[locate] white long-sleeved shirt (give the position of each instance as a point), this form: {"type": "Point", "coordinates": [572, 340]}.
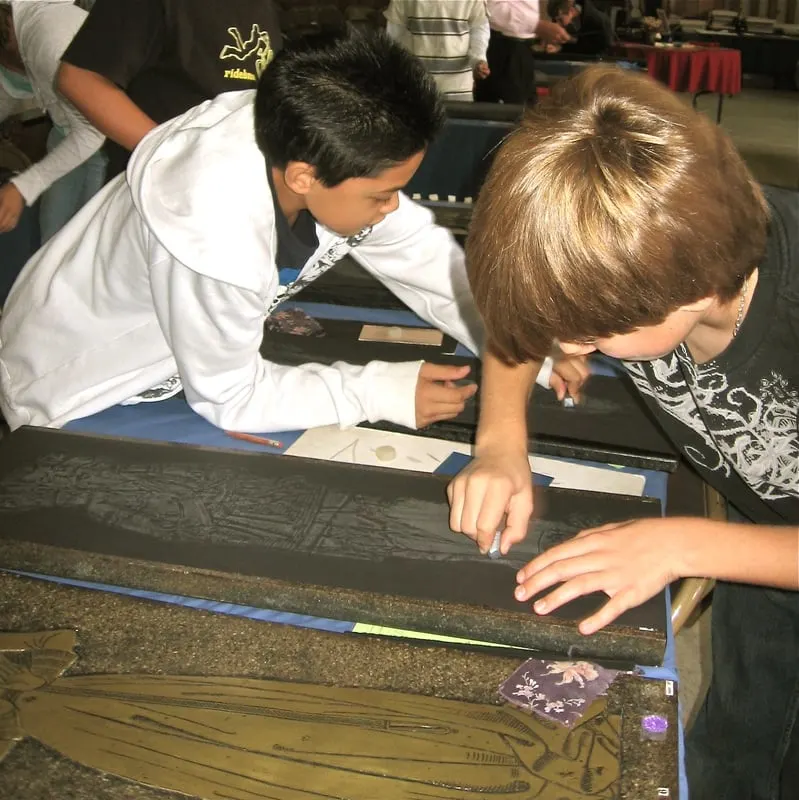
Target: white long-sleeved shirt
{"type": "Point", "coordinates": [515, 18]}
{"type": "Point", "coordinates": [172, 271]}
{"type": "Point", "coordinates": [43, 31]}
{"type": "Point", "coordinates": [448, 36]}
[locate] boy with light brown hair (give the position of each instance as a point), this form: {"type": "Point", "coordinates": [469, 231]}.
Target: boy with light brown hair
{"type": "Point", "coordinates": [616, 219]}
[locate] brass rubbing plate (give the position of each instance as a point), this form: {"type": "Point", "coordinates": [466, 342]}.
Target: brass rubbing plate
{"type": "Point", "coordinates": [133, 706]}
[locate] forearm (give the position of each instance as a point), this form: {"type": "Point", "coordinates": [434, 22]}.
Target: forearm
{"type": "Point", "coordinates": [479, 35]}
{"type": "Point", "coordinates": [504, 395]}
{"type": "Point", "coordinates": [759, 554]}
{"type": "Point", "coordinates": [423, 265]}
{"type": "Point", "coordinates": [214, 331]}
{"type": "Point", "coordinates": [77, 147]}
{"type": "Point", "coordinates": [105, 105]}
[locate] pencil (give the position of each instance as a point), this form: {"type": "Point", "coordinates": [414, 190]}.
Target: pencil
{"type": "Point", "coordinates": [253, 439]}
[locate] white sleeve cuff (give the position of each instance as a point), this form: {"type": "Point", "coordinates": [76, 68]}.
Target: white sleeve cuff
{"type": "Point", "coordinates": [545, 373]}
{"type": "Point", "coordinates": [28, 187]}
{"type": "Point", "coordinates": [392, 392]}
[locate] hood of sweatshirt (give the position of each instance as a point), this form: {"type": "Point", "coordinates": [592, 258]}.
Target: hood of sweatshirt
{"type": "Point", "coordinates": [199, 182]}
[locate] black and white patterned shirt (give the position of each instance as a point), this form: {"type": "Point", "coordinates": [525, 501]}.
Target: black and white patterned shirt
{"type": "Point", "coordinates": [735, 417]}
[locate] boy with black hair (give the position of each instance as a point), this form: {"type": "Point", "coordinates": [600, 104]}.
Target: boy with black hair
{"type": "Point", "coordinates": [164, 280]}
{"type": "Point", "coordinates": [616, 219]}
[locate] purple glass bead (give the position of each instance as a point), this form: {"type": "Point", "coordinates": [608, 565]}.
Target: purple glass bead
{"type": "Point", "coordinates": [654, 724]}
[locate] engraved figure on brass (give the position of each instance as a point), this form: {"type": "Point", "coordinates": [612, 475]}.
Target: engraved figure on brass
{"type": "Point", "coordinates": [245, 739]}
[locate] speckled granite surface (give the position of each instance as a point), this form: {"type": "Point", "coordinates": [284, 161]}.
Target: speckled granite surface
{"type": "Point", "coordinates": [118, 635]}
{"type": "Point", "coordinates": [618, 644]}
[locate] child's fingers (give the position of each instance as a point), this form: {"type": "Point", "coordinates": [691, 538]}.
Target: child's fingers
{"type": "Point", "coordinates": [574, 548]}
{"type": "Point", "coordinates": [608, 526]}
{"type": "Point", "coordinates": [473, 494]}
{"type": "Point", "coordinates": [609, 612]}
{"type": "Point", "coordinates": [439, 393]}
{"type": "Point", "coordinates": [483, 510]}
{"type": "Point", "coordinates": [456, 491]}
{"type": "Point", "coordinates": [584, 583]}
{"type": "Point", "coordinates": [575, 382]}
{"type": "Point", "coordinates": [558, 385]}
{"type": "Point", "coordinates": [443, 372]}
{"type": "Point", "coordinates": [520, 509]}
{"type": "Point", "coordinates": [490, 519]}
{"type": "Point", "coordinates": [562, 571]}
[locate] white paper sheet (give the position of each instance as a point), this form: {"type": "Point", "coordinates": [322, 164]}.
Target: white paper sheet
{"type": "Point", "coordinates": [374, 448]}
{"type": "Point", "coordinates": [422, 454]}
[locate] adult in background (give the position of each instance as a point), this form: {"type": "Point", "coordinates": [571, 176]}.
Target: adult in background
{"type": "Point", "coordinates": [138, 63]}
{"type": "Point", "coordinates": [33, 36]}
{"type": "Point", "coordinates": [590, 28]}
{"type": "Point", "coordinates": [450, 37]}
{"type": "Point", "coordinates": [515, 25]}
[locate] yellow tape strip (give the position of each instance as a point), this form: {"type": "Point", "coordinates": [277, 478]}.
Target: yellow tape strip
{"type": "Point", "coordinates": [378, 630]}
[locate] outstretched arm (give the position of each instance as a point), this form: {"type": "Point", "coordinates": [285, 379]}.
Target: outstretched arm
{"type": "Point", "coordinates": [633, 561]}
{"type": "Point", "coordinates": [479, 35]}
{"type": "Point", "coordinates": [214, 331]}
{"type": "Point", "coordinates": [495, 491]}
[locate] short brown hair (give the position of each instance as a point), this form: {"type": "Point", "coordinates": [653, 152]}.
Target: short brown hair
{"type": "Point", "coordinates": [608, 208]}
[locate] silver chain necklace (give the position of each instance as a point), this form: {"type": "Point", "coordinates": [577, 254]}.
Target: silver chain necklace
{"type": "Point", "coordinates": [740, 318]}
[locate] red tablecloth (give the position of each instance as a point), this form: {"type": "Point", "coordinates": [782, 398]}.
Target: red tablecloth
{"type": "Point", "coordinates": [690, 69]}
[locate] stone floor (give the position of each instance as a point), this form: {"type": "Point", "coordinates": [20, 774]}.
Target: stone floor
{"type": "Point", "coordinates": [764, 124]}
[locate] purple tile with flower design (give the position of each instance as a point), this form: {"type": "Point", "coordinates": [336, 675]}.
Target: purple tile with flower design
{"type": "Point", "coordinates": [561, 691]}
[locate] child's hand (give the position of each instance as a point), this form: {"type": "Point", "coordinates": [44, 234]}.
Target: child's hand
{"type": "Point", "coordinates": [496, 486]}
{"type": "Point", "coordinates": [629, 561]}
{"type": "Point", "coordinates": [437, 396]}
{"type": "Point", "coordinates": [569, 373]}
{"type": "Point", "coordinates": [12, 204]}
{"type": "Point", "coordinates": [481, 70]}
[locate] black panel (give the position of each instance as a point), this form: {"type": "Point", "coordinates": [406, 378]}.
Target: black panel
{"type": "Point", "coordinates": [299, 520]}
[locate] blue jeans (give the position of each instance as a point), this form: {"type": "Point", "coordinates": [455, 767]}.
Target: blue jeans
{"type": "Point", "coordinates": [745, 742]}
{"type": "Point", "coordinates": [16, 247]}
{"type": "Point", "coordinates": [67, 195]}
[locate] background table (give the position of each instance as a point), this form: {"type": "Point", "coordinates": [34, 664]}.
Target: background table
{"type": "Point", "coordinates": [761, 54]}
{"type": "Point", "coordinates": [698, 70]}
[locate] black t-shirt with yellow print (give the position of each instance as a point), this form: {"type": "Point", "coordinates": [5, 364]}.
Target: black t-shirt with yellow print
{"type": "Point", "coordinates": [170, 55]}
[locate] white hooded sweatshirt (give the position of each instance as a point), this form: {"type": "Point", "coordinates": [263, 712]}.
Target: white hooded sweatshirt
{"type": "Point", "coordinates": [172, 272]}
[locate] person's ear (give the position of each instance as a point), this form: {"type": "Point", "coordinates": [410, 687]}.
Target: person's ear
{"type": "Point", "coordinates": [300, 177]}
